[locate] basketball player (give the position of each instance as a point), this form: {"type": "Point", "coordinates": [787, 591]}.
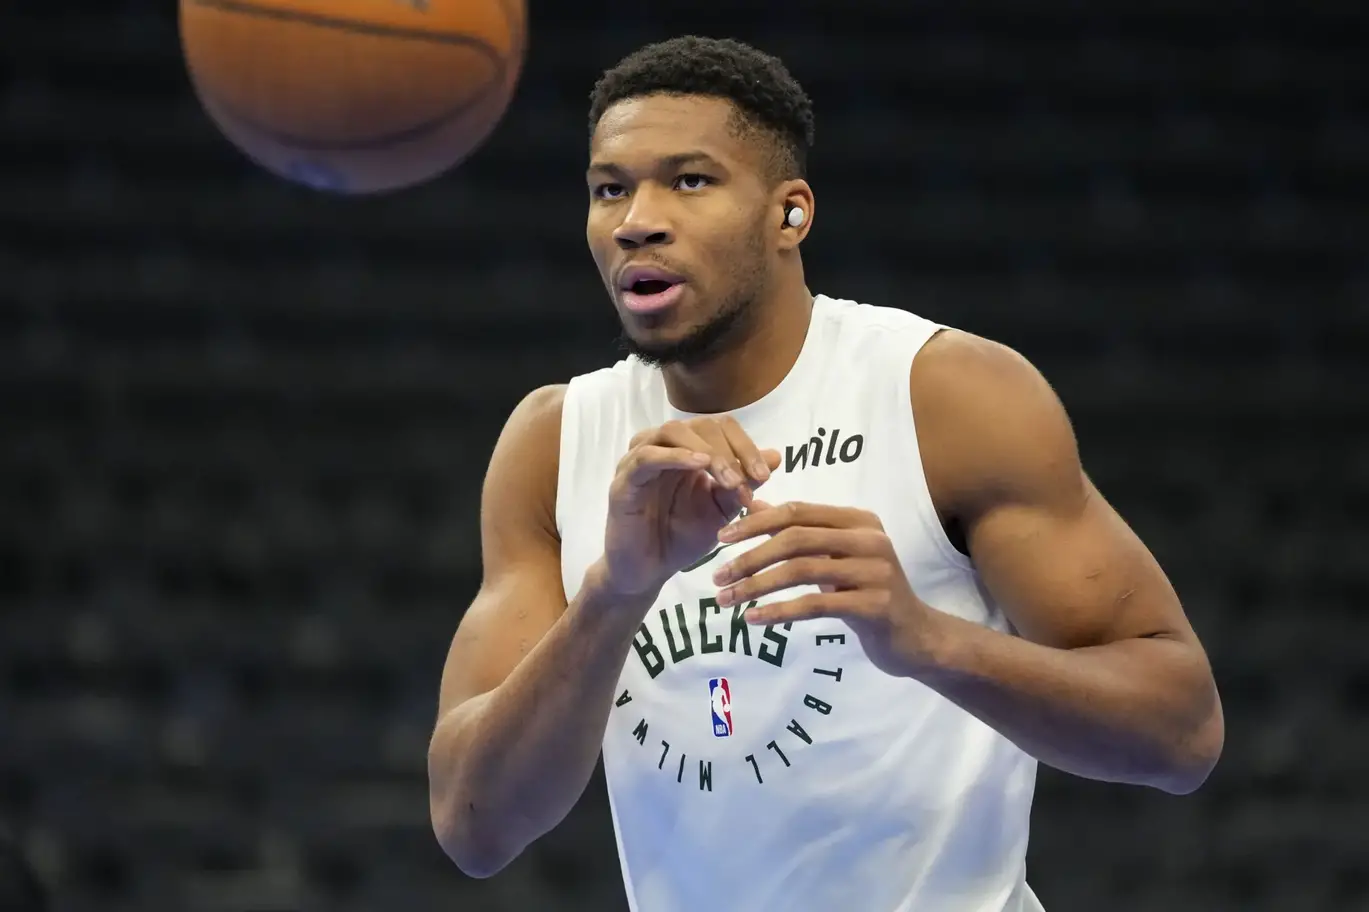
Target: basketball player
{"type": "Point", "coordinates": [925, 597]}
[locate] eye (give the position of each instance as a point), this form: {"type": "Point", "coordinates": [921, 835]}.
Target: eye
{"type": "Point", "coordinates": [692, 181]}
{"type": "Point", "coordinates": [608, 191]}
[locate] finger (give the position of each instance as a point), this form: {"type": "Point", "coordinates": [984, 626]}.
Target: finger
{"type": "Point", "coordinates": [791, 543]}
{"type": "Point", "coordinates": [674, 434]}
{"type": "Point", "coordinates": [697, 438]}
{"type": "Point", "coordinates": [727, 468]}
{"type": "Point", "coordinates": [793, 513]}
{"type": "Point", "coordinates": [772, 458]}
{"type": "Point", "coordinates": [746, 451]}
{"type": "Point", "coordinates": [848, 605]}
{"type": "Point", "coordinates": [841, 573]}
{"type": "Point", "coordinates": [649, 462]}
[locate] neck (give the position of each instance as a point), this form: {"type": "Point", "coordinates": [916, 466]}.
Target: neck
{"type": "Point", "coordinates": [754, 364]}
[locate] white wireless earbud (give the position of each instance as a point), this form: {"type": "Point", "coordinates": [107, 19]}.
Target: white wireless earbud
{"type": "Point", "coordinates": [795, 217]}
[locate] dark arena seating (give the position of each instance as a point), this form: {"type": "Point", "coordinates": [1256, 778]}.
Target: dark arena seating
{"type": "Point", "coordinates": [243, 426]}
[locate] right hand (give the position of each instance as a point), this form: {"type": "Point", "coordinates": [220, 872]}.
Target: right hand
{"type": "Point", "coordinates": [676, 487]}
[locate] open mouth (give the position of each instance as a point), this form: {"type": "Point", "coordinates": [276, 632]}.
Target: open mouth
{"type": "Point", "coordinates": [650, 286]}
{"type": "Point", "coordinates": [648, 290]}
{"type": "Point", "coordinates": [651, 296]}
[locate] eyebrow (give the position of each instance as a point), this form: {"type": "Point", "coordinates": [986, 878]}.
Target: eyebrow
{"type": "Point", "coordinates": [672, 162]}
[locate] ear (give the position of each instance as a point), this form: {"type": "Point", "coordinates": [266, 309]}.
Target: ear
{"type": "Point", "coordinates": [792, 194]}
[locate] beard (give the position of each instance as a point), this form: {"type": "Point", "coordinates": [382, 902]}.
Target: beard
{"type": "Point", "coordinates": [700, 344]}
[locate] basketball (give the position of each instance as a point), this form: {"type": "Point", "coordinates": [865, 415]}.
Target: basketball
{"type": "Point", "coordinates": [355, 96]}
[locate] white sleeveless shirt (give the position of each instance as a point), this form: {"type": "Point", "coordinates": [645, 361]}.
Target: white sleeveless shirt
{"type": "Point", "coordinates": [774, 769]}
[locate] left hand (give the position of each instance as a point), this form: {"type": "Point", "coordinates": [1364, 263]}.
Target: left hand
{"type": "Point", "coordinates": [846, 553]}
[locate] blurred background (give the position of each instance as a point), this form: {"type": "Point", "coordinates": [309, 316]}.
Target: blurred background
{"type": "Point", "coordinates": [243, 426]}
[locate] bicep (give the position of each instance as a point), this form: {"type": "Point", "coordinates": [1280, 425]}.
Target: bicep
{"type": "Point", "coordinates": [1069, 572]}
{"type": "Point", "coordinates": [1003, 462]}
{"type": "Point", "coordinates": [521, 595]}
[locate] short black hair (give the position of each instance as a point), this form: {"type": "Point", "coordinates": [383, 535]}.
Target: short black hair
{"type": "Point", "coordinates": [768, 99]}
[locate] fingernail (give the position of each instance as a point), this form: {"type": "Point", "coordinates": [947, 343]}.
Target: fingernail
{"type": "Point", "coordinates": [730, 477]}
{"type": "Point", "coordinates": [727, 533]}
{"type": "Point", "coordinates": [760, 470]}
{"type": "Point", "coordinates": [724, 598]}
{"type": "Point", "coordinates": [723, 574]}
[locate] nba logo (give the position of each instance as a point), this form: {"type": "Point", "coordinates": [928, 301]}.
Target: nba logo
{"type": "Point", "coordinates": [720, 695]}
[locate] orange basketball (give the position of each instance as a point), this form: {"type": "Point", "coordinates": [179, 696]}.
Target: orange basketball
{"type": "Point", "coordinates": [355, 96]}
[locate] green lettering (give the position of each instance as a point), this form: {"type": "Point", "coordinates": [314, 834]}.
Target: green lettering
{"type": "Point", "coordinates": [775, 657]}
{"type": "Point", "coordinates": [813, 702]}
{"type": "Point", "coordinates": [677, 654]}
{"type": "Point", "coordinates": [646, 650]}
{"type": "Point", "coordinates": [705, 644]}
{"type": "Point", "coordinates": [740, 628]}
{"type": "Point", "coordinates": [751, 759]}
{"type": "Point", "coordinates": [776, 748]}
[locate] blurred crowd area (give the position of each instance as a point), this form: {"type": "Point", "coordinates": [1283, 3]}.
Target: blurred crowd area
{"type": "Point", "coordinates": [244, 426]}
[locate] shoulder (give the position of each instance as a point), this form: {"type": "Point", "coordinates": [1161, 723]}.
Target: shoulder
{"type": "Point", "coordinates": [538, 415]}
{"type": "Point", "coordinates": [990, 426]}
{"type": "Point", "coordinates": [530, 443]}
{"type": "Point", "coordinates": [955, 367]}
{"type": "Point", "coordinates": [523, 469]}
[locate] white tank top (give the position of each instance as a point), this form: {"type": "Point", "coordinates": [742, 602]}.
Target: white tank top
{"type": "Point", "coordinates": [760, 769]}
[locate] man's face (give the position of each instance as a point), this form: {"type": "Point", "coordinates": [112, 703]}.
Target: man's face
{"type": "Point", "coordinates": [677, 223]}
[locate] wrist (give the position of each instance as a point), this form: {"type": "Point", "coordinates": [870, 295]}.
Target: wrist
{"type": "Point", "coordinates": [600, 588]}
{"type": "Point", "coordinates": [942, 645]}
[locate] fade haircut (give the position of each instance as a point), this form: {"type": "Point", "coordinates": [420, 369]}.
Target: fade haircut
{"type": "Point", "coordinates": [771, 106]}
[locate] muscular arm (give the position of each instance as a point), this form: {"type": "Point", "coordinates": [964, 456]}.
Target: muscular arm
{"type": "Point", "coordinates": [1108, 679]}
{"type": "Point", "coordinates": [529, 680]}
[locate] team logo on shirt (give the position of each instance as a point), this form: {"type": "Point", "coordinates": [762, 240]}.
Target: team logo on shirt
{"type": "Point", "coordinates": [766, 759]}
{"type": "Point", "coordinates": [720, 695]}
{"type": "Point", "coordinates": [679, 630]}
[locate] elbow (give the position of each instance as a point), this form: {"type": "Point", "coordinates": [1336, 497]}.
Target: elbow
{"type": "Point", "coordinates": [1196, 756]}
{"type": "Point", "coordinates": [477, 857]}
{"type": "Point", "coordinates": [471, 847]}
{"type": "Point", "coordinates": [477, 850]}
{"type": "Point", "coordinates": [475, 861]}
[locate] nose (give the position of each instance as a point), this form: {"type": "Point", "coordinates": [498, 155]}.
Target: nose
{"type": "Point", "coordinates": [645, 225]}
